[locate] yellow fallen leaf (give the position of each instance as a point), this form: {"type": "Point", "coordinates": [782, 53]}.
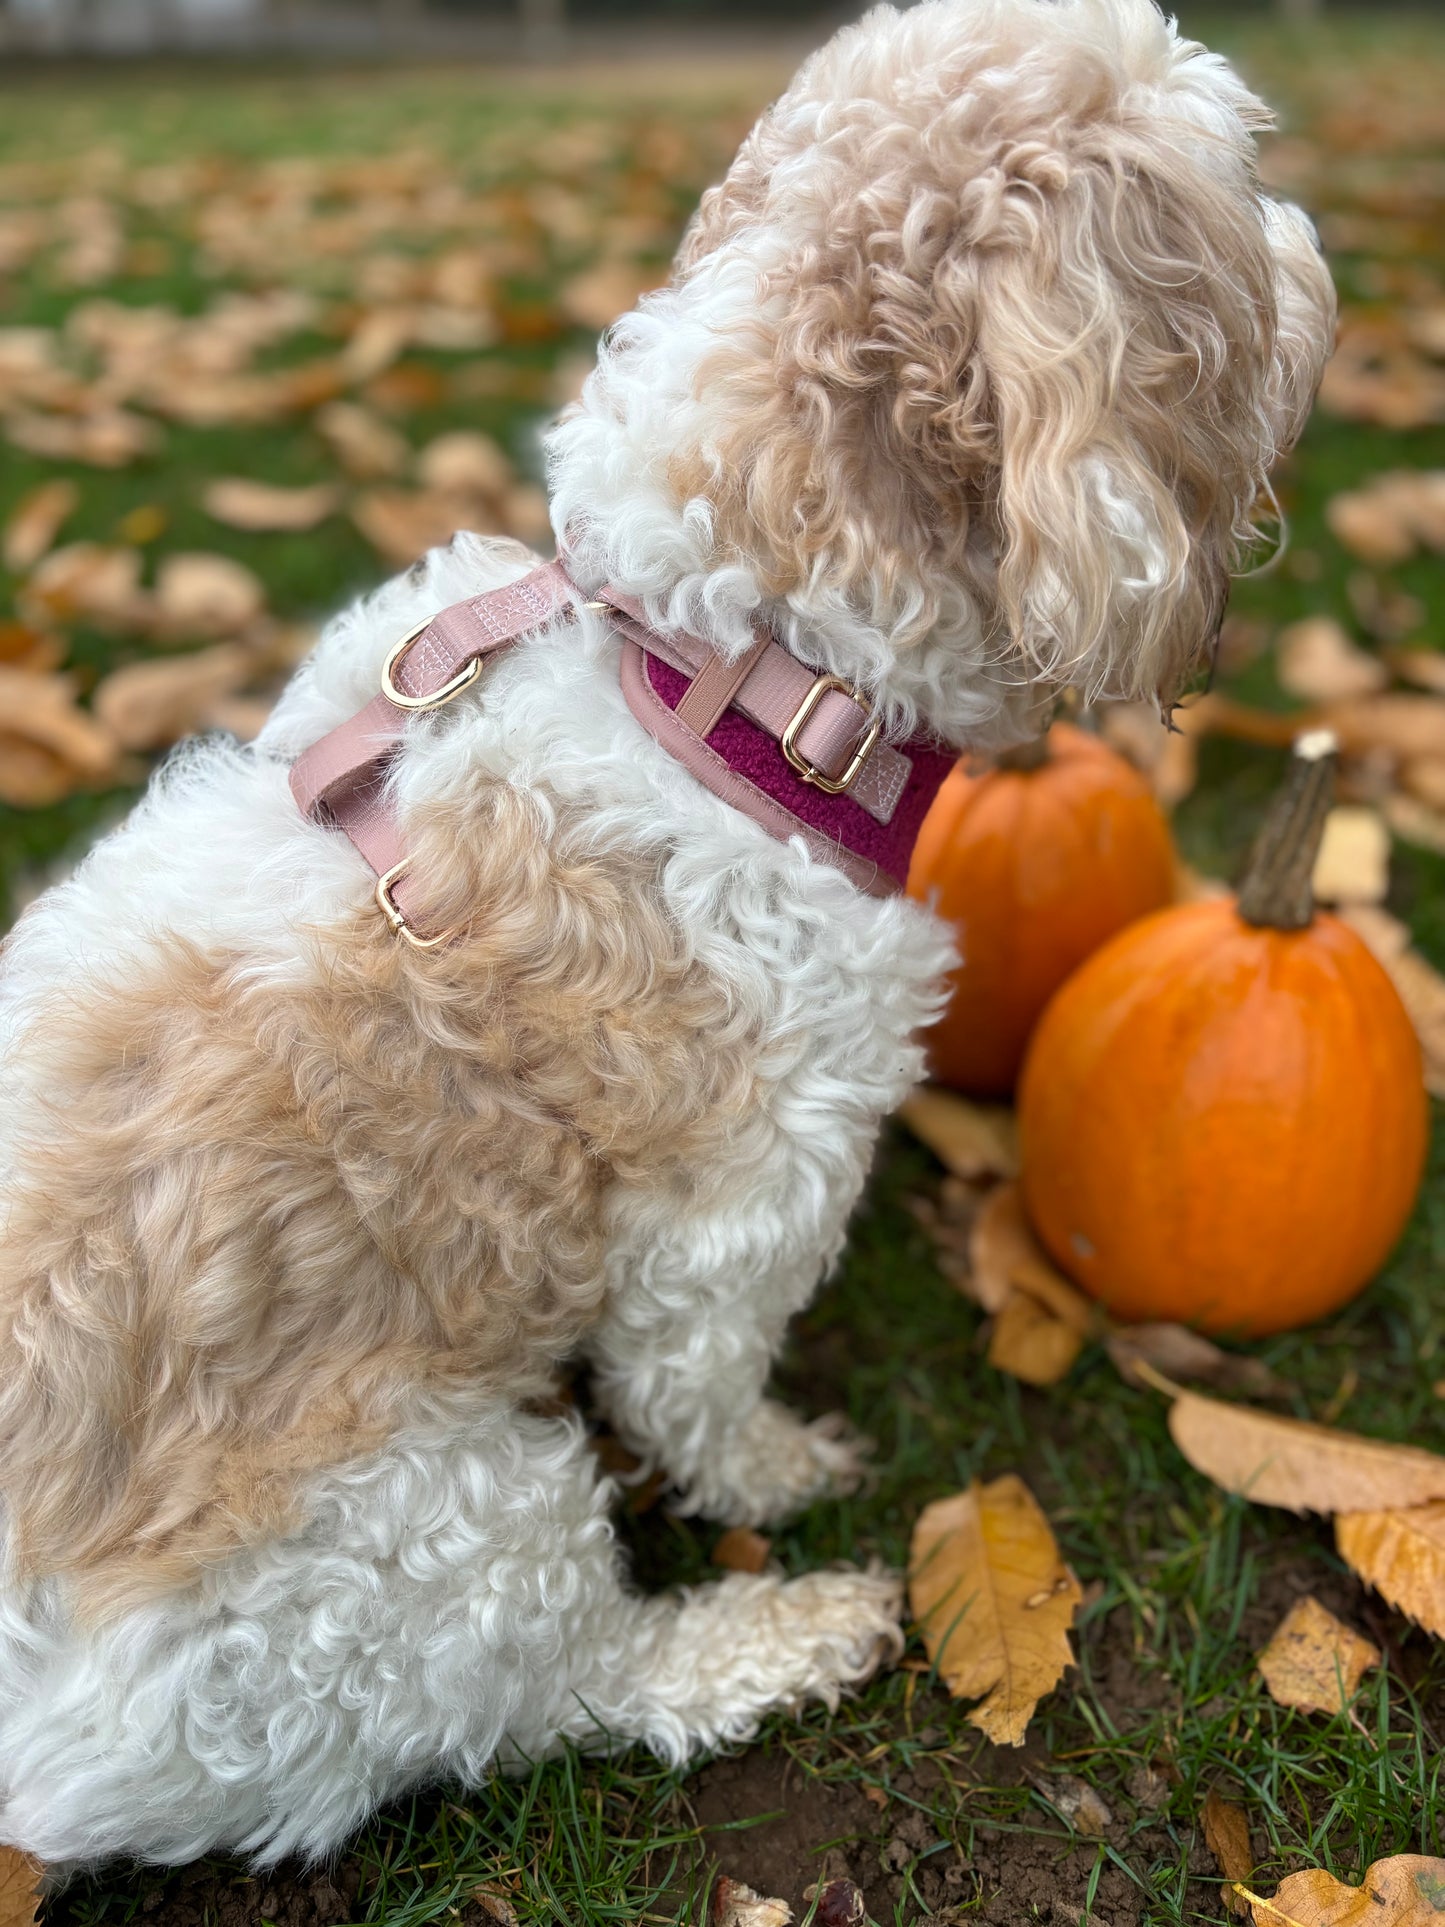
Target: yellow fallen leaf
{"type": "Point", "coordinates": [1006, 1258]}
{"type": "Point", "coordinates": [1304, 1468]}
{"type": "Point", "coordinates": [1423, 780]}
{"type": "Point", "coordinates": [1317, 661]}
{"type": "Point", "coordinates": [1314, 1662]}
{"type": "Point", "coordinates": [1423, 667]}
{"type": "Point", "coordinates": [973, 1140]}
{"type": "Point", "coordinates": [1370, 524]}
{"type": "Point", "coordinates": [1401, 1553]}
{"type": "Point", "coordinates": [34, 524]}
{"type": "Point", "coordinates": [148, 705]}
{"type": "Point", "coordinates": [994, 1602]}
{"type": "Point", "coordinates": [1416, 822]}
{"type": "Point", "coordinates": [20, 1876]}
{"type": "Point", "coordinates": [1353, 864]}
{"type": "Point", "coordinates": [1226, 1832]}
{"type": "Point", "coordinates": [243, 504]}
{"type": "Point", "coordinates": [1405, 726]}
{"type": "Point", "coordinates": [595, 298]}
{"type": "Point", "coordinates": [1407, 1890]}
{"type": "Point", "coordinates": [110, 438]}
{"type": "Point", "coordinates": [1029, 1342]}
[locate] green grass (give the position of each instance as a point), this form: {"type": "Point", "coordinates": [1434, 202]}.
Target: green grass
{"type": "Point", "coordinates": [1183, 1584]}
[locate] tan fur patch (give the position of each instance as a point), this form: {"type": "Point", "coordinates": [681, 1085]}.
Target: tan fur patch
{"type": "Point", "coordinates": [256, 1224]}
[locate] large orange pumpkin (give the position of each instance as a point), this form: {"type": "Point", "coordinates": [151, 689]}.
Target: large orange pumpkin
{"type": "Point", "coordinates": [1035, 863]}
{"type": "Point", "coordinates": [1222, 1113]}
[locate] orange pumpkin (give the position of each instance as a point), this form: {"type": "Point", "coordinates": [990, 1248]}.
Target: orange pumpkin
{"type": "Point", "coordinates": [1222, 1113]}
{"type": "Point", "coordinates": [1036, 863]}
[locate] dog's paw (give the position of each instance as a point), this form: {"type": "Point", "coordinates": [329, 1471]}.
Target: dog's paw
{"type": "Point", "coordinates": [850, 1620]}
{"type": "Point", "coordinates": [775, 1464]}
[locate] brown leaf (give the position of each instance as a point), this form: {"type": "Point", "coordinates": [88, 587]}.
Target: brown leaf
{"type": "Point", "coordinates": [596, 297]}
{"type": "Point", "coordinates": [736, 1905]}
{"type": "Point", "coordinates": [20, 1877]}
{"type": "Point", "coordinates": [1353, 864]}
{"type": "Point", "coordinates": [1304, 1468]}
{"type": "Point", "coordinates": [1423, 779]}
{"type": "Point", "coordinates": [1006, 1257]}
{"type": "Point", "coordinates": [148, 705]}
{"type": "Point", "coordinates": [402, 524]}
{"type": "Point", "coordinates": [1226, 1831]}
{"type": "Point", "coordinates": [1416, 822]}
{"type": "Point", "coordinates": [1423, 667]}
{"type": "Point", "coordinates": [495, 1906]}
{"type": "Point", "coordinates": [243, 504]}
{"type": "Point", "coordinates": [1314, 1662]}
{"type": "Point", "coordinates": [740, 1549]}
{"type": "Point", "coordinates": [91, 583]}
{"type": "Point", "coordinates": [48, 746]}
{"type": "Point", "coordinates": [994, 1602]}
{"type": "Point", "coordinates": [1401, 1553]}
{"type": "Point", "coordinates": [1179, 1353]}
{"type": "Point", "coordinates": [35, 522]}
{"type": "Point", "coordinates": [1318, 662]}
{"type": "Point", "coordinates": [201, 595]}
{"type": "Point", "coordinates": [110, 439]}
{"type": "Point", "coordinates": [1081, 1805]}
{"type": "Point", "coordinates": [1407, 1890]}
{"type": "Point", "coordinates": [973, 1140]}
{"type": "Point", "coordinates": [1029, 1342]}
{"type": "Point", "coordinates": [366, 447]}
{"type": "Point", "coordinates": [1421, 987]}
{"type": "Point", "coordinates": [465, 463]}
{"type": "Point", "coordinates": [1406, 726]}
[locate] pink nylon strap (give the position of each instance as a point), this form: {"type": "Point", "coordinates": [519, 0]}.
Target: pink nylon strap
{"type": "Point", "coordinates": [342, 779]}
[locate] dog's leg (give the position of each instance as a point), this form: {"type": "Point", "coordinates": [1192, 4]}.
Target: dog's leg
{"type": "Point", "coordinates": [691, 1671]}
{"type": "Point", "coordinates": [682, 1357]}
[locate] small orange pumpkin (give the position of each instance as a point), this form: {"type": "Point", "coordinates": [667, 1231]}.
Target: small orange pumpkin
{"type": "Point", "coordinates": [1036, 863]}
{"type": "Point", "coordinates": [1222, 1113]}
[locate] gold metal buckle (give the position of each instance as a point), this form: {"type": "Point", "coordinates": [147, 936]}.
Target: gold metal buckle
{"type": "Point", "coordinates": [830, 785]}
{"type": "Point", "coordinates": [468, 673]}
{"type": "Point", "coordinates": [396, 917]}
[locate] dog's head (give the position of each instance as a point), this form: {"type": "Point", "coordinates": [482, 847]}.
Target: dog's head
{"type": "Point", "coordinates": [972, 370]}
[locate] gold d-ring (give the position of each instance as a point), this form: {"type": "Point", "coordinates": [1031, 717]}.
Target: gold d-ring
{"type": "Point", "coordinates": [396, 916]}
{"type": "Point", "coordinates": [468, 673]}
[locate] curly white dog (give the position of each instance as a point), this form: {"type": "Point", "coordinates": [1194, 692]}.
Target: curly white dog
{"type": "Point", "coordinates": [965, 389]}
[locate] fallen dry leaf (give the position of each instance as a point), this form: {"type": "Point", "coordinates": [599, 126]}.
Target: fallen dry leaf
{"type": "Point", "coordinates": [495, 1907]}
{"type": "Point", "coordinates": [402, 524]}
{"type": "Point", "coordinates": [1421, 987]}
{"type": "Point", "coordinates": [243, 504]}
{"type": "Point", "coordinates": [1081, 1805]}
{"type": "Point", "coordinates": [465, 463]}
{"type": "Point", "coordinates": [1401, 1553]}
{"type": "Point", "coordinates": [1392, 516]}
{"type": "Point", "coordinates": [736, 1905]}
{"type": "Point", "coordinates": [19, 1887]}
{"type": "Point", "coordinates": [1423, 667]}
{"type": "Point", "coordinates": [1406, 726]}
{"type": "Point", "coordinates": [973, 1140]}
{"type": "Point", "coordinates": [366, 447]}
{"type": "Point", "coordinates": [35, 522]}
{"type": "Point", "coordinates": [1005, 1256]}
{"type": "Point", "coordinates": [1317, 661]}
{"type": "Point", "coordinates": [1304, 1468]}
{"type": "Point", "coordinates": [1031, 1343]}
{"type": "Point", "coordinates": [596, 297]}
{"type": "Point", "coordinates": [1407, 1890]}
{"type": "Point", "coordinates": [48, 746]}
{"type": "Point", "coordinates": [87, 582]}
{"type": "Point", "coordinates": [1416, 822]}
{"type": "Point", "coordinates": [149, 705]}
{"type": "Point", "coordinates": [1353, 864]}
{"type": "Point", "coordinates": [740, 1549]}
{"type": "Point", "coordinates": [1423, 779]}
{"type": "Point", "coordinates": [113, 438]}
{"type": "Point", "coordinates": [994, 1602]}
{"type": "Point", "coordinates": [1226, 1832]}
{"type": "Point", "coordinates": [199, 596]}
{"type": "Point", "coordinates": [1314, 1662]}
{"type": "Point", "coordinates": [1179, 1353]}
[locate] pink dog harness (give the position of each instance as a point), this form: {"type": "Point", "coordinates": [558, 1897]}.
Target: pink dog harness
{"type": "Point", "coordinates": [798, 751]}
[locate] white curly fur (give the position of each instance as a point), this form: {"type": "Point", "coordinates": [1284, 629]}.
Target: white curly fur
{"type": "Point", "coordinates": [455, 1599]}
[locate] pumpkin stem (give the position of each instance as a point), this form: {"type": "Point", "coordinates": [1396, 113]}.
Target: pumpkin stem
{"type": "Point", "coordinates": [1276, 891]}
{"type": "Point", "coordinates": [1025, 756]}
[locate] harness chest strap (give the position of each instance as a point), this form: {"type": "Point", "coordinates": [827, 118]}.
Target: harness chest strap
{"type": "Point", "coordinates": [823, 728]}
